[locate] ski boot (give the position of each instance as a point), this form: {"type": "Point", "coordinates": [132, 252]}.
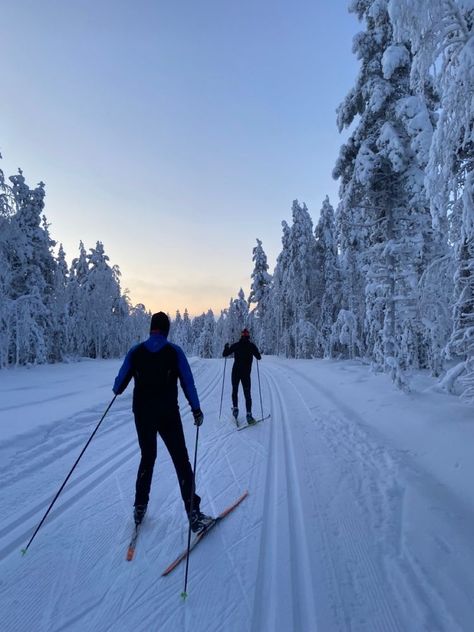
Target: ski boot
{"type": "Point", "coordinates": [199, 521]}
{"type": "Point", "coordinates": [235, 412]}
{"type": "Point", "coordinates": [250, 419]}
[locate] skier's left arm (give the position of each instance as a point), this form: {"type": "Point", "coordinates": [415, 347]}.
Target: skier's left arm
{"type": "Point", "coordinates": [186, 380]}
{"type": "Point", "coordinates": [256, 352]}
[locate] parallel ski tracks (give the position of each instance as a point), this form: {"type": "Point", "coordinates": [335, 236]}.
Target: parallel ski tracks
{"type": "Point", "coordinates": [379, 478]}
{"type": "Point", "coordinates": [357, 552]}
{"type": "Point", "coordinates": [289, 605]}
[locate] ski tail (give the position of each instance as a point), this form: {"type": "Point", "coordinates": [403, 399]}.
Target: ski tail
{"type": "Point", "coordinates": [133, 543]}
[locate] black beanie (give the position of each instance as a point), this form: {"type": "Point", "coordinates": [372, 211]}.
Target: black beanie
{"type": "Point", "coordinates": [160, 322]}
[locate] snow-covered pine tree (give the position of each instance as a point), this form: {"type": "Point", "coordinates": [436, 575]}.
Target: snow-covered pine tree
{"type": "Point", "coordinates": [260, 296]}
{"type": "Point", "coordinates": [219, 333]}
{"type": "Point", "coordinates": [299, 282]}
{"type": "Point", "coordinates": [77, 301]}
{"type": "Point", "coordinates": [279, 320]}
{"type": "Point", "coordinates": [237, 317]}
{"type": "Point", "coordinates": [138, 325]}
{"type": "Point", "coordinates": [382, 207]}
{"type": "Point", "coordinates": [60, 308]}
{"type": "Point", "coordinates": [327, 276]}
{"type": "Point", "coordinates": [32, 267]}
{"type": "Point", "coordinates": [187, 333]}
{"type": "Point", "coordinates": [102, 289]}
{"type": "Point", "coordinates": [441, 34]}
{"type": "Point", "coordinates": [197, 325]}
{"type": "Point", "coordinates": [206, 344]}
{"type": "Point", "coordinates": [7, 238]}
{"type": "Point", "coordinates": [176, 329]}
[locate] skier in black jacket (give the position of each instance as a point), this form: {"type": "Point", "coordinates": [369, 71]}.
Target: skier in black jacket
{"type": "Point", "coordinates": [244, 352]}
{"type": "Point", "coordinates": [156, 365]}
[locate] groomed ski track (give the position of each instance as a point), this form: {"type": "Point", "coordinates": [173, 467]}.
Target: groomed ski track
{"type": "Point", "coordinates": [342, 531]}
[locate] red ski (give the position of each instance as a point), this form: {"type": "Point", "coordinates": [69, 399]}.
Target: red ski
{"type": "Point", "coordinates": [201, 534]}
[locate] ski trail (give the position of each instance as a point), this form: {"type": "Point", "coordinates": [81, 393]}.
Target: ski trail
{"type": "Point", "coordinates": [374, 532]}
{"type": "Point", "coordinates": [284, 591]}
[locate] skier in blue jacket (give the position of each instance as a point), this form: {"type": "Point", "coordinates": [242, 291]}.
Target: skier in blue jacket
{"type": "Point", "coordinates": [156, 365]}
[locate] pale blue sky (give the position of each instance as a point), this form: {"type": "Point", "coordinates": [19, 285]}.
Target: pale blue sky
{"type": "Point", "coordinates": [175, 132]}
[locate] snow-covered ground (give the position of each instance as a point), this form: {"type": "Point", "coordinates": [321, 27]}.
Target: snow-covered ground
{"type": "Point", "coordinates": [360, 514]}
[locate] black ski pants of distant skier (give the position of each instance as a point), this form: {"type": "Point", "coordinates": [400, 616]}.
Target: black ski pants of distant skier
{"type": "Point", "coordinates": [170, 428]}
{"type": "Point", "coordinates": [244, 377]}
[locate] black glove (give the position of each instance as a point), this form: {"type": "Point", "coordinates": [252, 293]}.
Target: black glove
{"type": "Point", "coordinates": [198, 417]}
{"type": "Point", "coordinates": [226, 346]}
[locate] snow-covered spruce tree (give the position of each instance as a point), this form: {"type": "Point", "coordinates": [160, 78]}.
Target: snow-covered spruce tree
{"type": "Point", "coordinates": [279, 311]}
{"type": "Point", "coordinates": [237, 317]}
{"type": "Point", "coordinates": [139, 318]}
{"type": "Point", "coordinates": [219, 333]}
{"type": "Point", "coordinates": [383, 208]}
{"type": "Point", "coordinates": [176, 329]}
{"type": "Point", "coordinates": [292, 312]}
{"type": "Point", "coordinates": [7, 239]}
{"type": "Point", "coordinates": [300, 283]}
{"type": "Point", "coordinates": [77, 302]}
{"type": "Point", "coordinates": [60, 307]}
{"type": "Point", "coordinates": [327, 279]}
{"type": "Point", "coordinates": [102, 289]}
{"type": "Point", "coordinates": [197, 325]}
{"type": "Point", "coordinates": [32, 268]}
{"type": "Point", "coordinates": [441, 33]}
{"type": "Point", "coordinates": [260, 296]}
{"type": "Point", "coordinates": [205, 346]}
{"type": "Point", "coordinates": [187, 333]}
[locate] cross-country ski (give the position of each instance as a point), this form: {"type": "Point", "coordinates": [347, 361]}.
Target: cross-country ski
{"type": "Point", "coordinates": [204, 532]}
{"type": "Point", "coordinates": [257, 421]}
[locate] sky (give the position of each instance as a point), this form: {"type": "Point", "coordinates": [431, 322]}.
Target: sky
{"type": "Point", "coordinates": [175, 132]}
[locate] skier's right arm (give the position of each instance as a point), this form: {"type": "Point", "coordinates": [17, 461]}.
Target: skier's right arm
{"type": "Point", "coordinates": [125, 374]}
{"type": "Point", "coordinates": [228, 350]}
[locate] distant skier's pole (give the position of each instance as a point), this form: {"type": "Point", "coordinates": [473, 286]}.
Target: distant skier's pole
{"type": "Point", "coordinates": [184, 594]}
{"type": "Point", "coordinates": [67, 477]}
{"type": "Point", "coordinates": [222, 392]}
{"type": "Point", "coordinates": [259, 389]}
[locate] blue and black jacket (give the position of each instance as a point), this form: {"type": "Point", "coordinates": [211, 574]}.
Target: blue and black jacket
{"type": "Point", "coordinates": [156, 365]}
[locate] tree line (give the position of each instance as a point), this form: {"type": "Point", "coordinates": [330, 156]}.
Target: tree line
{"type": "Point", "coordinates": [386, 276]}
{"type": "Point", "coordinates": [50, 312]}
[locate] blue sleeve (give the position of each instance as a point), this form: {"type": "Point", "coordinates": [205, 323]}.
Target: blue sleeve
{"type": "Point", "coordinates": [125, 374]}
{"type": "Point", "coordinates": [186, 379]}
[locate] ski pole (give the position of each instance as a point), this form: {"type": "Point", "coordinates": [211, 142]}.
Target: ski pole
{"type": "Point", "coordinates": [222, 392]}
{"type": "Point", "coordinates": [259, 388]}
{"type": "Point", "coordinates": [67, 477]}
{"type": "Point", "coordinates": [184, 594]}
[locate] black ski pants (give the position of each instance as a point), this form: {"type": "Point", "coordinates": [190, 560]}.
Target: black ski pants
{"type": "Point", "coordinates": [244, 377]}
{"type": "Point", "coordinates": [170, 428]}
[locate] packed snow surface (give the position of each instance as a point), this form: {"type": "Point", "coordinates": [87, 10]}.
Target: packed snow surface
{"type": "Point", "coordinates": [360, 514]}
